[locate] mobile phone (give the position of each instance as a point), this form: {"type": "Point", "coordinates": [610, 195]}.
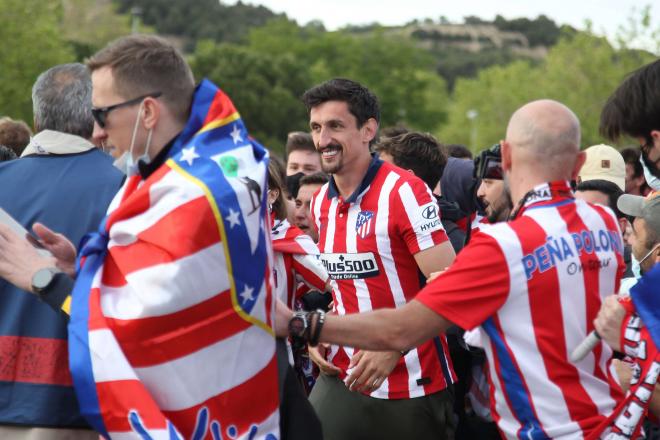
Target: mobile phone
{"type": "Point", "coordinates": [15, 226]}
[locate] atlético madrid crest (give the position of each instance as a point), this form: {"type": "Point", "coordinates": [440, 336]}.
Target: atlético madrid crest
{"type": "Point", "coordinates": [364, 224]}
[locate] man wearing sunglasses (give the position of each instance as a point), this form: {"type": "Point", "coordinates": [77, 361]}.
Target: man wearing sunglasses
{"type": "Point", "coordinates": [634, 110]}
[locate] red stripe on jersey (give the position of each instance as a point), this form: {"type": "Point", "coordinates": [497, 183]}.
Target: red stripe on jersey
{"type": "Point", "coordinates": [154, 245]}
{"type": "Point", "coordinates": [34, 360]}
{"type": "Point", "coordinates": [547, 313]}
{"type": "Point", "coordinates": [242, 399]}
{"type": "Point", "coordinates": [117, 395]}
{"type": "Point", "coordinates": [154, 340]}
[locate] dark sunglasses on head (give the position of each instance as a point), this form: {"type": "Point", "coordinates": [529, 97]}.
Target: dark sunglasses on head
{"type": "Point", "coordinates": [100, 114]}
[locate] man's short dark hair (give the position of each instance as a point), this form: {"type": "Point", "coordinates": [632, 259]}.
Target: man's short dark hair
{"type": "Point", "coordinates": [631, 157]}
{"type": "Point", "coordinates": [606, 187]}
{"type": "Point", "coordinates": [299, 141]}
{"type": "Point", "coordinates": [458, 151]}
{"type": "Point", "coordinates": [14, 135]}
{"type": "Point", "coordinates": [419, 152]}
{"type": "Point", "coordinates": [143, 64]}
{"type": "Point", "coordinates": [393, 131]}
{"type": "Point", "coordinates": [361, 102]}
{"type": "Point", "coordinates": [319, 178]}
{"type": "Point", "coordinates": [634, 107]}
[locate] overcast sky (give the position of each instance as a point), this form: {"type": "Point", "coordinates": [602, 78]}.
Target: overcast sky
{"type": "Point", "coordinates": [606, 15]}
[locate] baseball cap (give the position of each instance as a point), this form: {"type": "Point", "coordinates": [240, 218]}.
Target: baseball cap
{"type": "Point", "coordinates": [606, 163]}
{"type": "Point", "coordinates": [647, 208]}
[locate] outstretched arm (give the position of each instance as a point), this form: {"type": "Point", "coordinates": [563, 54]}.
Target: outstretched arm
{"type": "Point", "coordinates": [385, 329]}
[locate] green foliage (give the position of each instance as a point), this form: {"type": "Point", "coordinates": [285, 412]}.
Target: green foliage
{"type": "Point", "coordinates": [88, 25]}
{"type": "Point", "coordinates": [264, 88]}
{"type": "Point", "coordinates": [32, 43]}
{"type": "Point", "coordinates": [201, 19]}
{"type": "Point", "coordinates": [541, 31]}
{"type": "Point", "coordinates": [400, 73]}
{"type": "Point", "coordinates": [581, 71]}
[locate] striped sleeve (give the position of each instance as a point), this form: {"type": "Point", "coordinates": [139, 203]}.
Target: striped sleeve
{"type": "Point", "coordinates": [420, 227]}
{"type": "Point", "coordinates": [473, 288]}
{"type": "Point", "coordinates": [310, 271]}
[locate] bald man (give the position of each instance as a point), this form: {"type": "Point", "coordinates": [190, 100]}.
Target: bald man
{"type": "Point", "coordinates": [534, 286]}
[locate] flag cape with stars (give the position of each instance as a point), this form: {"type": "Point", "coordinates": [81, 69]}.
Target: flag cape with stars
{"type": "Point", "coordinates": [171, 334]}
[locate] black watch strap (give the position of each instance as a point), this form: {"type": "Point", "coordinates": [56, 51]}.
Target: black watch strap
{"type": "Point", "coordinates": [57, 291]}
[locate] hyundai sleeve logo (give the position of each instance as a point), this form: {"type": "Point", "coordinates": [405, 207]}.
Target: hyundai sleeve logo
{"type": "Point", "coordinates": [430, 212]}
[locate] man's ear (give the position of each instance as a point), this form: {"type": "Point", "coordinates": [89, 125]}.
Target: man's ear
{"type": "Point", "coordinates": [369, 130]}
{"type": "Point", "coordinates": [655, 136]}
{"type": "Point", "coordinates": [581, 158]}
{"type": "Point", "coordinates": [151, 112]}
{"type": "Point", "coordinates": [623, 224]}
{"type": "Point", "coordinates": [505, 151]}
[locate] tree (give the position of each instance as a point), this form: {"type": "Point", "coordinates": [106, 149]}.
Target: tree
{"type": "Point", "coordinates": [32, 43]}
{"type": "Point", "coordinates": [201, 19]}
{"type": "Point", "coordinates": [265, 89]}
{"type": "Point", "coordinates": [398, 72]}
{"type": "Point", "coordinates": [581, 71]}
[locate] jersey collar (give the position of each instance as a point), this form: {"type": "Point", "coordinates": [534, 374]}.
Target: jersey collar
{"type": "Point", "coordinates": [545, 194]}
{"type": "Point", "coordinates": [374, 166]}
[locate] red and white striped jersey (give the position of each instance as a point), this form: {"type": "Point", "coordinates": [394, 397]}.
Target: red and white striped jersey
{"type": "Point", "coordinates": [367, 244]}
{"type": "Point", "coordinates": [295, 261]}
{"type": "Point", "coordinates": [535, 285]}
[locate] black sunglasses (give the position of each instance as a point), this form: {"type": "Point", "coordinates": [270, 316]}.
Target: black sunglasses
{"type": "Point", "coordinates": [100, 114]}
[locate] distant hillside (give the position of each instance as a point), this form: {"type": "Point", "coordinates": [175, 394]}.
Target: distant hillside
{"type": "Point", "coordinates": [461, 50]}
{"type": "Point", "coordinates": [198, 19]}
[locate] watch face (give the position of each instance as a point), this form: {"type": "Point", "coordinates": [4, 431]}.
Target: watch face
{"type": "Point", "coordinates": [42, 279]}
{"type": "Point", "coordinates": [297, 326]}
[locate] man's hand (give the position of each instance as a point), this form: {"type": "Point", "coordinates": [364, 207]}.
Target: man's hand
{"type": "Point", "coordinates": [58, 245]}
{"type": "Point", "coordinates": [19, 260]}
{"type": "Point", "coordinates": [370, 369]}
{"type": "Point", "coordinates": [608, 321]}
{"type": "Point", "coordinates": [317, 355]}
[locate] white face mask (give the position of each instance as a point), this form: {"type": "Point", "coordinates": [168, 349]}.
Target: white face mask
{"type": "Point", "coordinates": [651, 180]}
{"type": "Point", "coordinates": [121, 163]}
{"type": "Point", "coordinates": [126, 163]}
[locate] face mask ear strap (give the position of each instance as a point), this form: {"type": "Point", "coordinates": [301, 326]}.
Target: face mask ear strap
{"type": "Point", "coordinates": [135, 127]}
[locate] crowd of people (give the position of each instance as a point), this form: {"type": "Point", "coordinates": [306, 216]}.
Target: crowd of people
{"type": "Point", "coordinates": [163, 275]}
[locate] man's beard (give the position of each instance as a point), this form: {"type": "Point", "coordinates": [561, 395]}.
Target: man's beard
{"type": "Point", "coordinates": [500, 209]}
{"type": "Point", "coordinates": [335, 167]}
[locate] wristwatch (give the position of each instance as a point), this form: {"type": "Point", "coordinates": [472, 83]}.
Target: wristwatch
{"type": "Point", "coordinates": [299, 325]}
{"type": "Point", "coordinates": [43, 278]}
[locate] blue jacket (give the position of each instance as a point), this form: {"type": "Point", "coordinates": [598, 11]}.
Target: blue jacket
{"type": "Point", "coordinates": [70, 194]}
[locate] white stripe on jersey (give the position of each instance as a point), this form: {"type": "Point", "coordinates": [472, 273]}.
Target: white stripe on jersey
{"type": "Point", "coordinates": [315, 206]}
{"type": "Point", "coordinates": [383, 241]}
{"type": "Point", "coordinates": [606, 283]}
{"type": "Point", "coordinates": [361, 289]}
{"type": "Point", "coordinates": [515, 318]}
{"type": "Point", "coordinates": [385, 252]}
{"type": "Point", "coordinates": [413, 211]}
